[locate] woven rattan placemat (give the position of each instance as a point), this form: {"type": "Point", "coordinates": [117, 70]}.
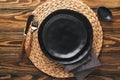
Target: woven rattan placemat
{"type": "Point", "coordinates": [41, 12]}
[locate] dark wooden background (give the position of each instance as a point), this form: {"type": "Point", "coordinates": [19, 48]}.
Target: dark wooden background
{"type": "Point", "coordinates": [13, 15]}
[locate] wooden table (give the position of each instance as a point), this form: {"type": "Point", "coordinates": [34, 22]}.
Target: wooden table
{"type": "Point", "coordinates": [13, 15]}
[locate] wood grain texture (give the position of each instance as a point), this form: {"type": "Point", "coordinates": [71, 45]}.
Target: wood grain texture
{"type": "Point", "coordinates": [13, 15]}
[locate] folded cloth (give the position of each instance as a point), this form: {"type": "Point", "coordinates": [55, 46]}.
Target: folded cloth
{"type": "Point", "coordinates": [82, 70]}
{"type": "Point", "coordinates": [73, 66]}
{"type": "Point", "coordinates": [82, 74]}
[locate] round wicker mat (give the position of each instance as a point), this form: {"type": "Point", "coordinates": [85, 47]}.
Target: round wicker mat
{"type": "Point", "coordinates": [41, 12]}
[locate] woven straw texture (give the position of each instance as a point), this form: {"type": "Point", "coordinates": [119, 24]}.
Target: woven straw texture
{"type": "Point", "coordinates": [41, 12]}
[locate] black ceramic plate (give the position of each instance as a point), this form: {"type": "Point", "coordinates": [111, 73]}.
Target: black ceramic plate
{"type": "Point", "coordinates": [65, 36]}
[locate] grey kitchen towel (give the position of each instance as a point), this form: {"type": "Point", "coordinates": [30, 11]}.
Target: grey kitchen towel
{"type": "Point", "coordinates": [73, 66]}
{"type": "Point", "coordinates": [81, 71]}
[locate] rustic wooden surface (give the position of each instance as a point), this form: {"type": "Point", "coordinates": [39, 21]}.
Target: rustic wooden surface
{"type": "Point", "coordinates": [13, 14]}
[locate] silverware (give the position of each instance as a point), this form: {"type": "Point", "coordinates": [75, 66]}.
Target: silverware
{"type": "Point", "coordinates": [34, 26]}
{"type": "Point", "coordinates": [29, 20]}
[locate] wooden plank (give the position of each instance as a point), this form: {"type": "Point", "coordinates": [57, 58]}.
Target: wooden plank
{"type": "Point", "coordinates": [15, 4]}
{"type": "Point", "coordinates": [13, 15]}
